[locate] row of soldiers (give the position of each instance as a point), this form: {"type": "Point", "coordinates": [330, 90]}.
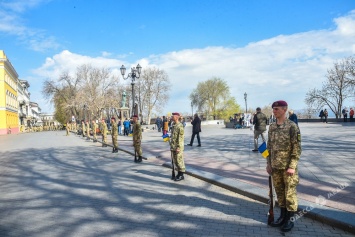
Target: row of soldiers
{"type": "Point", "coordinates": [41, 128]}
{"type": "Point", "coordinates": [85, 131]}
{"type": "Point", "coordinates": [176, 139]}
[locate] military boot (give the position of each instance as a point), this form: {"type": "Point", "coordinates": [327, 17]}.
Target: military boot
{"type": "Point", "coordinates": [116, 150]}
{"type": "Point", "coordinates": [279, 222]}
{"type": "Point", "coordinates": [289, 221]}
{"type": "Point", "coordinates": [180, 176]}
{"type": "Point", "coordinates": [113, 150]}
{"type": "Point", "coordinates": [140, 159]}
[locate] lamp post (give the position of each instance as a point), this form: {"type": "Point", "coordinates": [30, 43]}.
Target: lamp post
{"type": "Point", "coordinates": [192, 109]}
{"type": "Point", "coordinates": [134, 74]}
{"type": "Point", "coordinates": [246, 105]}
{"type": "Point", "coordinates": [84, 113]}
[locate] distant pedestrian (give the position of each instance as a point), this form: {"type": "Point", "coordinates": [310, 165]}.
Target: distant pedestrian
{"type": "Point", "coordinates": [126, 125]}
{"type": "Point", "coordinates": [351, 113]}
{"type": "Point", "coordinates": [114, 134]}
{"type": "Point", "coordinates": [159, 123]}
{"type": "Point", "coordinates": [137, 138]}
{"type": "Point", "coordinates": [119, 124]}
{"type": "Point", "coordinates": [284, 146]}
{"type": "Point", "coordinates": [259, 122]}
{"type": "Point", "coordinates": [196, 129]}
{"type": "Point", "coordinates": [345, 114]}
{"type": "Point", "coordinates": [293, 116]}
{"type": "Point", "coordinates": [165, 125]}
{"type": "Point", "coordinates": [177, 146]}
{"type": "Point", "coordinates": [321, 115]}
{"type": "Point", "coordinates": [325, 115]}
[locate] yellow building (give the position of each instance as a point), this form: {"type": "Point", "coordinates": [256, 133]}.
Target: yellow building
{"type": "Point", "coordinates": [9, 120]}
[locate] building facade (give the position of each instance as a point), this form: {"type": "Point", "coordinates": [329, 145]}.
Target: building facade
{"type": "Point", "coordinates": [9, 105]}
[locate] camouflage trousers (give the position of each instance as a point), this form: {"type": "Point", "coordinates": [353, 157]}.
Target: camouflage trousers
{"type": "Point", "coordinates": [95, 137]}
{"type": "Point", "coordinates": [104, 139]}
{"type": "Point", "coordinates": [285, 188]}
{"type": "Point", "coordinates": [67, 132]}
{"type": "Point", "coordinates": [178, 159]}
{"type": "Point", "coordinates": [138, 149]}
{"type": "Point", "coordinates": [115, 142]}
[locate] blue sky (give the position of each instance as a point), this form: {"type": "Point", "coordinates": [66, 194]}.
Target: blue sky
{"type": "Point", "coordinates": [271, 49]}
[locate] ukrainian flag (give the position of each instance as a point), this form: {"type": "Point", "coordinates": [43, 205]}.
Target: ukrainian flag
{"type": "Point", "coordinates": [263, 150]}
{"type": "Point", "coordinates": [166, 137]}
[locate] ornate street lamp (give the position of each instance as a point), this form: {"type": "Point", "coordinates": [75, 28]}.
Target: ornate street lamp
{"type": "Point", "coordinates": [192, 109]}
{"type": "Point", "coordinates": [134, 74]}
{"type": "Point", "coordinates": [246, 105]}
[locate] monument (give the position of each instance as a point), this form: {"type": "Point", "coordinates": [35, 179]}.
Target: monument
{"type": "Point", "coordinates": [124, 111]}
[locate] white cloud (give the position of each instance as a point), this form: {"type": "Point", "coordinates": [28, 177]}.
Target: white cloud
{"type": "Point", "coordinates": [12, 24]}
{"type": "Point", "coordinates": [282, 67]}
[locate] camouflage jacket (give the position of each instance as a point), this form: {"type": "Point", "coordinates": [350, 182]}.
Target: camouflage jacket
{"type": "Point", "coordinates": [114, 129]}
{"type": "Point", "coordinates": [94, 127]}
{"type": "Point", "coordinates": [177, 137]}
{"type": "Point", "coordinates": [137, 132]}
{"type": "Point", "coordinates": [284, 145]}
{"type": "Point", "coordinates": [103, 129]}
{"type": "Point", "coordinates": [259, 121]}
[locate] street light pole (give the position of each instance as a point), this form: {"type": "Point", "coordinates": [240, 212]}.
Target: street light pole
{"type": "Point", "coordinates": [134, 74]}
{"type": "Point", "coordinates": [192, 109]}
{"type": "Point", "coordinates": [84, 112]}
{"type": "Point", "coordinates": [246, 105]}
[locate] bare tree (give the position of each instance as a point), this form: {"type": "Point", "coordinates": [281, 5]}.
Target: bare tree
{"type": "Point", "coordinates": [338, 87]}
{"type": "Point", "coordinates": [152, 92]}
{"type": "Point", "coordinates": [89, 92]}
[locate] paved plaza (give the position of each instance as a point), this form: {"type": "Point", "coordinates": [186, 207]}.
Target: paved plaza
{"type": "Point", "coordinates": [54, 185]}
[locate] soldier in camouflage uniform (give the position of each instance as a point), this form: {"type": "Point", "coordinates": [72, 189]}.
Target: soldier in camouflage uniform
{"type": "Point", "coordinates": [177, 146]}
{"type": "Point", "coordinates": [94, 127]}
{"type": "Point", "coordinates": [259, 122]}
{"type": "Point", "coordinates": [87, 130]}
{"type": "Point", "coordinates": [67, 128]}
{"type": "Point", "coordinates": [114, 133]}
{"type": "Point", "coordinates": [103, 130]}
{"type": "Point", "coordinates": [284, 146]}
{"type": "Point", "coordinates": [83, 128]}
{"type": "Point", "coordinates": [137, 138]}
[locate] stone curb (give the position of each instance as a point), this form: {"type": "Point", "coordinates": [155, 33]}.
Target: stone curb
{"type": "Point", "coordinates": [331, 216]}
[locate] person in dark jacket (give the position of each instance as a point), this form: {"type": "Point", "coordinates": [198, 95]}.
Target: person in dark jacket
{"type": "Point", "coordinates": [293, 117]}
{"type": "Point", "coordinates": [196, 129]}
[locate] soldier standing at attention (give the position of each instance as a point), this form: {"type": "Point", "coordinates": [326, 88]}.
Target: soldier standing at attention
{"type": "Point", "coordinates": [114, 133]}
{"type": "Point", "coordinates": [137, 138]}
{"type": "Point", "coordinates": [177, 146]}
{"type": "Point", "coordinates": [104, 133]}
{"type": "Point", "coordinates": [67, 128]}
{"type": "Point", "coordinates": [87, 130]}
{"type": "Point", "coordinates": [83, 128]}
{"type": "Point", "coordinates": [94, 127]}
{"type": "Point", "coordinates": [284, 146]}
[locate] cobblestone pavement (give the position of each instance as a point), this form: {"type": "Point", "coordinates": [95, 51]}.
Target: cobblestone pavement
{"type": "Point", "coordinates": [327, 163]}
{"type": "Point", "coordinates": [53, 185]}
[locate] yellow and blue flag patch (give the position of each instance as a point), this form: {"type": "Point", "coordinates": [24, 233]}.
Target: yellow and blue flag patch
{"type": "Point", "coordinates": [263, 150]}
{"type": "Point", "coordinates": [166, 138]}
